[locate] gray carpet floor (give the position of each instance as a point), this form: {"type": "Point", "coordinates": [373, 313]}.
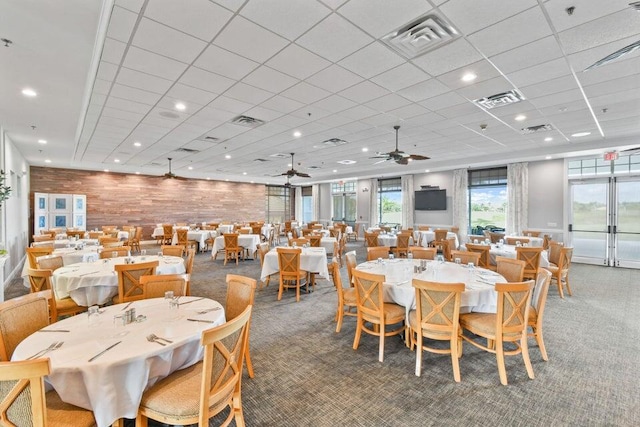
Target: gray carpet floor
{"type": "Point", "coordinates": [306, 374]}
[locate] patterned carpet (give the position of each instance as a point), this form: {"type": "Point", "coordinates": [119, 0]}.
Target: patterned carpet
{"type": "Point", "coordinates": [306, 374]}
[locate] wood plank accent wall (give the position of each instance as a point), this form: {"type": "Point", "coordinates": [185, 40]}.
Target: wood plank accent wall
{"type": "Point", "coordinates": [144, 200]}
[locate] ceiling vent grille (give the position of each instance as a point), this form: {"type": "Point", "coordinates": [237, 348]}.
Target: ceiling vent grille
{"type": "Point", "coordinates": [247, 121]}
{"type": "Point", "coordinates": [280, 155]}
{"type": "Point", "coordinates": [211, 139]}
{"type": "Point", "coordinates": [499, 100]}
{"type": "Point", "coordinates": [346, 162]}
{"type": "Point", "coordinates": [635, 5]}
{"type": "Point", "coordinates": [187, 150]}
{"type": "Point", "coordinates": [334, 142]}
{"type": "Point", "coordinates": [313, 167]}
{"type": "Point", "coordinates": [534, 129]}
{"type": "Point", "coordinates": [422, 35]}
{"type": "Point", "coordinates": [260, 160]}
{"type": "Point", "coordinates": [615, 55]}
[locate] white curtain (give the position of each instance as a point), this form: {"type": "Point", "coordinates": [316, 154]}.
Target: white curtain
{"type": "Point", "coordinates": [298, 208]}
{"type": "Point", "coordinates": [408, 199]}
{"type": "Point", "coordinates": [461, 203]}
{"type": "Point", "coordinates": [373, 203]}
{"type": "Point", "coordinates": [315, 202]}
{"type": "Point", "coordinates": [517, 197]}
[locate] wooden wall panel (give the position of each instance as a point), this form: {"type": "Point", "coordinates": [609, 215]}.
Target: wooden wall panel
{"type": "Point", "coordinates": [123, 199]}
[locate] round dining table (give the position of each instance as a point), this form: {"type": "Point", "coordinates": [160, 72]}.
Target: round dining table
{"type": "Point", "coordinates": [105, 366]}
{"type": "Point", "coordinates": [95, 283]}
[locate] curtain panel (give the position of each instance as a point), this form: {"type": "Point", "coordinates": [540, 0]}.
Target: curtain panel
{"type": "Point", "coordinates": [374, 217]}
{"type": "Point", "coordinates": [298, 207]}
{"type": "Point", "coordinates": [408, 201]}
{"type": "Point", "coordinates": [315, 202]}
{"type": "Point", "coordinates": [517, 197]}
{"type": "Point", "coordinates": [461, 203]}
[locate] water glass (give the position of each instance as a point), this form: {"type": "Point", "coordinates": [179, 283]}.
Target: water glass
{"type": "Point", "coordinates": [168, 296]}
{"type": "Point", "coordinates": [391, 256]}
{"type": "Point", "coordinates": [380, 261]}
{"type": "Point", "coordinates": [160, 254]}
{"type": "Point", "coordinates": [470, 266]}
{"type": "Point", "coordinates": [143, 252]}
{"type": "Point", "coordinates": [410, 255]}
{"type": "Point", "coordinates": [94, 315]}
{"type": "Point", "coordinates": [457, 261]}
{"type": "Point", "coordinates": [114, 254]}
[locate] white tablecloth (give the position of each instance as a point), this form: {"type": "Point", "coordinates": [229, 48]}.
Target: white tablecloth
{"type": "Point", "coordinates": [69, 256]}
{"type": "Point", "coordinates": [264, 230]}
{"type": "Point", "coordinates": [66, 243]}
{"type": "Point", "coordinates": [199, 236]}
{"type": "Point", "coordinates": [96, 282]}
{"type": "Point", "coordinates": [225, 228]}
{"type": "Point", "coordinates": [327, 244]}
{"type": "Point", "coordinates": [159, 231]}
{"type": "Point", "coordinates": [429, 236]}
{"type": "Point", "coordinates": [478, 296]}
{"type": "Point", "coordinates": [311, 259]}
{"type": "Point", "coordinates": [533, 241]}
{"type": "Point", "coordinates": [111, 386]}
{"type": "Point", "coordinates": [509, 251]}
{"type": "Point", "coordinates": [248, 241]}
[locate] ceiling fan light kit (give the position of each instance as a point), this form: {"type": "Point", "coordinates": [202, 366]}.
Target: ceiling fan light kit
{"type": "Point", "coordinates": [400, 157]}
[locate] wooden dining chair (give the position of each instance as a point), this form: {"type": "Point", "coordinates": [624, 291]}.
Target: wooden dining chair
{"type": "Point", "coordinates": [241, 292]}
{"type": "Point", "coordinates": [560, 273]}
{"type": "Point", "coordinates": [554, 252]}
{"type": "Point", "coordinates": [401, 249]}
{"type": "Point", "coordinates": [443, 247]}
{"type": "Point", "coordinates": [232, 250]}
{"type": "Point", "coordinates": [291, 276]}
{"type": "Point", "coordinates": [531, 233]}
{"type": "Point", "coordinates": [515, 240]}
{"type": "Point", "coordinates": [466, 257]}
{"type": "Point", "coordinates": [183, 237]}
{"type": "Point", "coordinates": [119, 251]}
{"type": "Point", "coordinates": [19, 318]}
{"type": "Point", "coordinates": [314, 240]}
{"type": "Point", "coordinates": [531, 257]}
{"type": "Point", "coordinates": [34, 253]}
{"type": "Point", "coordinates": [129, 287]}
{"type": "Point", "coordinates": [299, 241]}
{"type": "Point", "coordinates": [206, 388]}
{"type": "Point", "coordinates": [370, 239]}
{"type": "Point", "coordinates": [25, 402]}
{"type": "Point", "coordinates": [42, 238]}
{"type": "Point", "coordinates": [50, 262]}
{"type": "Point", "coordinates": [374, 315]}
{"type": "Point", "coordinates": [263, 249]}
{"type": "Point", "coordinates": [511, 269]}
{"type": "Point", "coordinates": [439, 236]}
{"type": "Point", "coordinates": [167, 234]}
{"type": "Point", "coordinates": [95, 234]}
{"type": "Point", "coordinates": [172, 250]}
{"type": "Point", "coordinates": [346, 297]}
{"type": "Point", "coordinates": [536, 311]}
{"type": "Point", "coordinates": [483, 250]}
{"type": "Point", "coordinates": [350, 260]}
{"type": "Point", "coordinates": [355, 231]}
{"type": "Point", "coordinates": [436, 317]}
{"type": "Point", "coordinates": [155, 285]}
{"type": "Point", "coordinates": [188, 263]}
{"type": "Point", "coordinates": [40, 280]}
{"type": "Point", "coordinates": [508, 325]}
{"type": "Point", "coordinates": [375, 252]}
{"type": "Point", "coordinates": [104, 240]}
{"type": "Point", "coordinates": [419, 252]}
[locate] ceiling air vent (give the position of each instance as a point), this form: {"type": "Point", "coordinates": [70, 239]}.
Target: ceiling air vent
{"type": "Point", "coordinates": [334, 142]}
{"type": "Point", "coordinates": [211, 139]}
{"type": "Point", "coordinates": [280, 155]}
{"type": "Point", "coordinates": [421, 35]}
{"type": "Point", "coordinates": [313, 167]}
{"type": "Point", "coordinates": [260, 160]}
{"type": "Point", "coordinates": [635, 5]}
{"type": "Point", "coordinates": [169, 115]}
{"type": "Point", "coordinates": [615, 55]}
{"type": "Point", "coordinates": [499, 100]}
{"type": "Point", "coordinates": [346, 162]}
{"type": "Point", "coordinates": [187, 150]}
{"type": "Point", "coordinates": [534, 129]}
{"type": "Point", "coordinates": [247, 121]}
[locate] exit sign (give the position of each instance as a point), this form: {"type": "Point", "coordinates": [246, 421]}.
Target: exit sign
{"type": "Point", "coordinates": [613, 155]}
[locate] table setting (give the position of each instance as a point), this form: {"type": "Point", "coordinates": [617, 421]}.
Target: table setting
{"type": "Point", "coordinates": [311, 259]}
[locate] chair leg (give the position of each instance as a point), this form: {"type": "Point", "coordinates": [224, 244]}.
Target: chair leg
{"type": "Point", "coordinates": [247, 358]}
{"type": "Point", "coordinates": [418, 353]}
{"type": "Point", "coordinates": [381, 349]}
{"type": "Point", "coordinates": [454, 359]}
{"type": "Point", "coordinates": [566, 280]}
{"type": "Point", "coordinates": [559, 280]}
{"type": "Point", "coordinates": [537, 333]}
{"type": "Point", "coordinates": [141, 420]}
{"type": "Point", "coordinates": [339, 316]}
{"type": "Point", "coordinates": [280, 289]}
{"type": "Point", "coordinates": [356, 340]}
{"type": "Point", "coordinates": [525, 355]}
{"type": "Point", "coordinates": [502, 370]}
{"type": "Point", "coordinates": [298, 285]}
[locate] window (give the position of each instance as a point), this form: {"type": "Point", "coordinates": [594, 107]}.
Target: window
{"type": "Point", "coordinates": [487, 199]}
{"type": "Point", "coordinates": [307, 210]}
{"type": "Point", "coordinates": [390, 201]}
{"type": "Point", "coordinates": [278, 204]}
{"type": "Point", "coordinates": [599, 166]}
{"type": "Point", "coordinates": [343, 197]}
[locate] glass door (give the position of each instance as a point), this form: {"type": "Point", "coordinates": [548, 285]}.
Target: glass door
{"type": "Point", "coordinates": [626, 219]}
{"type": "Point", "coordinates": [589, 223]}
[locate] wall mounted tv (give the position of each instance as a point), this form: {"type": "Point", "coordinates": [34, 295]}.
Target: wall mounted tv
{"type": "Point", "coordinates": [431, 200]}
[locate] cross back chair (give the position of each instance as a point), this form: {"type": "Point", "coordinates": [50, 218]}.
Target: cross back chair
{"type": "Point", "coordinates": [34, 253]}
{"type": "Point", "coordinates": [531, 257]}
{"type": "Point", "coordinates": [370, 239]}
{"type": "Point", "coordinates": [291, 276]}
{"type": "Point", "coordinates": [514, 240]}
{"type": "Point", "coordinates": [402, 245]}
{"type": "Point", "coordinates": [241, 292]}
{"type": "Point", "coordinates": [483, 250]}
{"type": "Point", "coordinates": [40, 280]}
{"type": "Point", "coordinates": [511, 269]}
{"type": "Point", "coordinates": [232, 250]}
{"type": "Point", "coordinates": [154, 286]}
{"type": "Point", "coordinates": [466, 257]}
{"type": "Point", "coordinates": [167, 234]}
{"type": "Point", "coordinates": [117, 250]}
{"type": "Point", "coordinates": [172, 250]}
{"type": "Point", "coordinates": [346, 297]}
{"type": "Point", "coordinates": [373, 253]}
{"type": "Point", "coordinates": [419, 252]}
{"type": "Point", "coordinates": [129, 287]}
{"type": "Point", "coordinates": [536, 311]}
{"type": "Point", "coordinates": [560, 273]}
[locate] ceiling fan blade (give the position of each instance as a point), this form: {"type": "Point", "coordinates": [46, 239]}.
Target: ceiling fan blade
{"type": "Point", "coordinates": [418, 157]}
{"type": "Point", "coordinates": [303, 175]}
{"type": "Point", "coordinates": [403, 161]}
{"type": "Point", "coordinates": [380, 156]}
{"type": "Point", "coordinates": [381, 161]}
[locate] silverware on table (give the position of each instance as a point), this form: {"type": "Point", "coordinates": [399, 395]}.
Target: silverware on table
{"type": "Point", "coordinates": [54, 330]}
{"type": "Point", "coordinates": [53, 346]}
{"type": "Point", "coordinates": [208, 310]}
{"type": "Point", "coordinates": [127, 306]}
{"type": "Point", "coordinates": [193, 300]}
{"type": "Point", "coordinates": [201, 320]}
{"type": "Point", "coordinates": [154, 337]}
{"type": "Point", "coordinates": [104, 351]}
{"type": "Point", "coordinates": [151, 338]}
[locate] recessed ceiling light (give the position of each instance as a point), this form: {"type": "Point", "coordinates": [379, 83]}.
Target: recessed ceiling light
{"type": "Point", "coordinates": [106, 170]}
{"type": "Point", "coordinates": [520, 117]}
{"type": "Point", "coordinates": [137, 144]}
{"type": "Point", "coordinates": [297, 134]}
{"type": "Point", "coordinates": [346, 162]}
{"type": "Point", "coordinates": [47, 161]}
{"type": "Point", "coordinates": [227, 156]}
{"type": "Point", "coordinates": [579, 134]}
{"type": "Point", "coordinates": [426, 170]}
{"type": "Point", "coordinates": [42, 141]}
{"type": "Point", "coordinates": [137, 173]}
{"type": "Point", "coordinates": [469, 77]}
{"type": "Point", "coordinates": [548, 139]}
{"type": "Point", "coordinates": [244, 173]}
{"type": "Point", "coordinates": [335, 170]}
{"type": "Point", "coordinates": [190, 168]}
{"type": "Point", "coordinates": [548, 157]}
{"type": "Point", "coordinates": [116, 160]}
{"type": "Point", "coordinates": [29, 92]}
{"type": "Point", "coordinates": [227, 179]}
{"type": "Point", "coordinates": [180, 106]}
{"type": "Point", "coordinates": [365, 149]}
{"type": "Point", "coordinates": [251, 182]}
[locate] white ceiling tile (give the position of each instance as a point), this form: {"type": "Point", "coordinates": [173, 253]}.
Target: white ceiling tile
{"type": "Point", "coordinates": [132, 5]}
{"type": "Point", "coordinates": [470, 17]}
{"type": "Point", "coordinates": [523, 28]}
{"type": "Point", "coordinates": [335, 103]}
{"type": "Point", "coordinates": [600, 31]}
{"type": "Point", "coordinates": [143, 81]}
{"type": "Point", "coordinates": [231, 4]}
{"type": "Point", "coordinates": [334, 120]}
{"type": "Point", "coordinates": [400, 77]}
{"type": "Point", "coordinates": [131, 116]}
{"type": "Point", "coordinates": [249, 94]}
{"type": "Point", "coordinates": [334, 79]}
{"type": "Point", "coordinates": [305, 93]}
{"type": "Point", "coordinates": [539, 73]}
{"type": "Point", "coordinates": [548, 87]}
{"type": "Point", "coordinates": [334, 38]}
{"type": "Point", "coordinates": [121, 24]}
{"type": "Point", "coordinates": [282, 104]}
{"type": "Point", "coordinates": [153, 64]}
{"type": "Point", "coordinates": [112, 51]}
{"type": "Point", "coordinates": [409, 111]}
{"type": "Point", "coordinates": [334, 4]}
{"type": "Point", "coordinates": [528, 55]}
{"type": "Point", "coordinates": [363, 92]}
{"type": "Point", "coordinates": [201, 79]}
{"type": "Point", "coordinates": [359, 112]}
{"type": "Point", "coordinates": [166, 41]}
{"type": "Point", "coordinates": [284, 17]}
{"type": "Point", "coordinates": [101, 87]}
{"type": "Point", "coordinates": [559, 98]}
{"type": "Point", "coordinates": [269, 79]}
{"type": "Point", "coordinates": [380, 17]}
{"type": "Point", "coordinates": [126, 105]}
{"type": "Point", "coordinates": [486, 88]}
{"type": "Point", "coordinates": [621, 84]}
{"type": "Point", "coordinates": [250, 40]}
{"type": "Point", "coordinates": [263, 113]}
{"type": "Point", "coordinates": [371, 60]}
{"type": "Point", "coordinates": [229, 104]}
{"type": "Point", "coordinates": [189, 94]}
{"type": "Point", "coordinates": [223, 62]}
{"type": "Point", "coordinates": [423, 90]}
{"type": "Point", "coordinates": [107, 71]}
{"type": "Point", "coordinates": [583, 12]}
{"type": "Point", "coordinates": [449, 57]}
{"type": "Point", "coordinates": [382, 119]}
{"type": "Point", "coordinates": [484, 70]}
{"type": "Point", "coordinates": [199, 18]}
{"type": "Point", "coordinates": [388, 102]}
{"type": "Point", "coordinates": [298, 62]}
{"type": "Point", "coordinates": [133, 94]}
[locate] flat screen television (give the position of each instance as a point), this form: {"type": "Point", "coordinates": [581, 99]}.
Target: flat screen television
{"type": "Point", "coordinates": [431, 200]}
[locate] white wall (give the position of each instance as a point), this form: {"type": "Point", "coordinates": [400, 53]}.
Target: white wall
{"type": "Point", "coordinates": [325, 203]}
{"type": "Point", "coordinates": [15, 210]}
{"type": "Point", "coordinates": [444, 180]}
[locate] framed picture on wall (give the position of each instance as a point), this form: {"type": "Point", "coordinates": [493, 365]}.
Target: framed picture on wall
{"type": "Point", "coordinates": [41, 202]}
{"type": "Point", "coordinates": [59, 220]}
{"type": "Point", "coordinates": [79, 221]}
{"type": "Point", "coordinates": [42, 221]}
{"type": "Point", "coordinates": [79, 204]}
{"type": "Point", "coordinates": [60, 203]}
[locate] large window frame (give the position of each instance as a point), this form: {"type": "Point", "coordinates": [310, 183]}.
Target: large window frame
{"type": "Point", "coordinates": [344, 201]}
{"type": "Point", "coordinates": [389, 201]}
{"type": "Point", "coordinates": [307, 205]}
{"type": "Point", "coordinates": [487, 184]}
{"type": "Point", "coordinates": [278, 203]}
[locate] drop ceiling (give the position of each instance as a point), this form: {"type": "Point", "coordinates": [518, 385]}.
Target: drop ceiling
{"type": "Point", "coordinates": [110, 74]}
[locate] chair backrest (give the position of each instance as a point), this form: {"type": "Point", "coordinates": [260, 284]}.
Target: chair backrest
{"type": "Point", "coordinates": [224, 348]}
{"type": "Point", "coordinates": [545, 241]}
{"type": "Point", "coordinates": [244, 231]}
{"type": "Point", "coordinates": [154, 286]}
{"type": "Point", "coordinates": [376, 252]}
{"type": "Point", "coordinates": [263, 248]}
{"type": "Point", "coordinates": [350, 258]}
{"type": "Point", "coordinates": [516, 240]}
{"type": "Point", "coordinates": [466, 257]}
{"type": "Point", "coordinates": [138, 236]}
{"type": "Point", "coordinates": [108, 228]}
{"type": "Point", "coordinates": [315, 240]}
{"type": "Point", "coordinates": [95, 234]}
{"type": "Point", "coordinates": [39, 279]}
{"type": "Point", "coordinates": [103, 240]}
{"type": "Point", "coordinates": [495, 237]}
{"type": "Point", "coordinates": [188, 264]}
{"type": "Point", "coordinates": [256, 229]}
{"type": "Point", "coordinates": [230, 241]}
{"type": "Point", "coordinates": [172, 250]}
{"type": "Point", "coordinates": [565, 259]}
{"type": "Point", "coordinates": [531, 256]}
{"type": "Point", "coordinates": [289, 261]}
{"type": "Point", "coordinates": [420, 252]}
{"type": "Point", "coordinates": [554, 251]}
{"type": "Point", "coordinates": [370, 239]}
{"type": "Point", "coordinates": [440, 234]}
{"type": "Point", "coordinates": [50, 262]}
{"type": "Point", "coordinates": [511, 269]}
{"type": "Point", "coordinates": [33, 253]}
{"type": "Point", "coordinates": [514, 300]}
{"type": "Point", "coordinates": [19, 318]}
{"type": "Point", "coordinates": [539, 297]}
{"type": "Point", "coordinates": [167, 231]}
{"type": "Point", "coordinates": [438, 308]}
{"type": "Point", "coordinates": [42, 238]}
{"type": "Point", "coordinates": [114, 252]}
{"type": "Point", "coordinates": [241, 291]}
{"type": "Point", "coordinates": [129, 287]}
{"type": "Point", "coordinates": [531, 233]}
{"type": "Point", "coordinates": [22, 393]}
{"type": "Point", "coordinates": [182, 236]}
{"type": "Point", "coordinates": [334, 232]}
{"type": "Point", "coordinates": [402, 241]}
{"type": "Point", "coordinates": [369, 295]}
{"type": "Point", "coordinates": [443, 246]}
{"type": "Point", "coordinates": [483, 250]}
{"type": "Point", "coordinates": [334, 267]}
{"type": "Point", "coordinates": [298, 241]}
{"type": "Point", "coordinates": [75, 233]}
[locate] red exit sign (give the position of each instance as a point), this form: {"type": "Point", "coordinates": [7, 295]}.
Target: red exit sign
{"type": "Point", "coordinates": [613, 155]}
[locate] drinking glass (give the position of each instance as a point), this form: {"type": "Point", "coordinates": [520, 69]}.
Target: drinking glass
{"type": "Point", "coordinates": [93, 315]}
{"type": "Point", "coordinates": [143, 252]}
{"type": "Point", "coordinates": [391, 256]}
{"type": "Point", "coordinates": [457, 261]}
{"type": "Point", "coordinates": [168, 297]}
{"type": "Point", "coordinates": [114, 254]}
{"type": "Point", "coordinates": [119, 323]}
